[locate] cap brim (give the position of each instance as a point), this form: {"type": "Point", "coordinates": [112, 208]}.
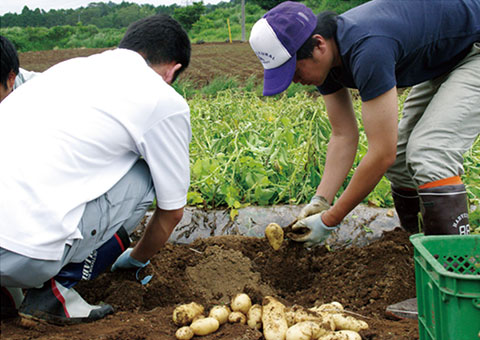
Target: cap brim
{"type": "Point", "coordinates": [278, 79]}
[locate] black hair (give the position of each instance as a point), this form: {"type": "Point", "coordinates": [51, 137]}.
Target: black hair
{"type": "Point", "coordinates": [326, 27]}
{"type": "Point", "coordinates": [161, 39]}
{"type": "Point", "coordinates": [8, 60]}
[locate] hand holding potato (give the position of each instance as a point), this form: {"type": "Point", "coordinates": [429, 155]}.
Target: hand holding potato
{"type": "Point", "coordinates": [311, 230]}
{"type": "Point", "coordinates": [317, 204]}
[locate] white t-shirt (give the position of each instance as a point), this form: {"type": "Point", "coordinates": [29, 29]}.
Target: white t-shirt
{"type": "Point", "coordinates": [23, 76]}
{"type": "Point", "coordinates": [72, 132]}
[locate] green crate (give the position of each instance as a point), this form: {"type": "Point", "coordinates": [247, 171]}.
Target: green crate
{"type": "Point", "coordinates": [447, 275]}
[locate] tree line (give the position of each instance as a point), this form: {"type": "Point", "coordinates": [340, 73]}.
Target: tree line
{"type": "Point", "coordinates": [111, 15]}
{"type": "Point", "coordinates": [99, 14]}
{"type": "Point", "coordinates": [103, 24]}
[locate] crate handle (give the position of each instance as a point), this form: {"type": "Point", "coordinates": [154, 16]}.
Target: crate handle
{"type": "Point", "coordinates": [476, 303]}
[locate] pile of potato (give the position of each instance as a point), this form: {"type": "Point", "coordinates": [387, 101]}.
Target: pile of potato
{"type": "Point", "coordinates": [278, 322]}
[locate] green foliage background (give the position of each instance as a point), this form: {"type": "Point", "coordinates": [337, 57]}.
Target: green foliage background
{"type": "Point", "coordinates": [246, 149]}
{"type": "Point", "coordinates": [101, 25]}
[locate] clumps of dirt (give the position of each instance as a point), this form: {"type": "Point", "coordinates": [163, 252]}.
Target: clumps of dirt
{"type": "Point", "coordinates": [211, 270]}
{"type": "Point", "coordinates": [222, 273]}
{"type": "Point", "coordinates": [365, 279]}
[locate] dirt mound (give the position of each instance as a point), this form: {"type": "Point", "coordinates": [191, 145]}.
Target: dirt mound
{"type": "Point", "coordinates": [211, 270]}
{"type": "Point", "coordinates": [222, 273]}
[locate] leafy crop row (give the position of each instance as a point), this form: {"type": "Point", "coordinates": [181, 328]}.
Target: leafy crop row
{"type": "Point", "coordinates": [252, 150]}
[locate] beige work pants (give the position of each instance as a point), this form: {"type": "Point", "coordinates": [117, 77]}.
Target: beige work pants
{"type": "Point", "coordinates": [441, 120]}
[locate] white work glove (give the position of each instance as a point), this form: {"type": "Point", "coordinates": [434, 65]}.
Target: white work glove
{"type": "Point", "coordinates": [317, 204]}
{"type": "Point", "coordinates": [311, 230]}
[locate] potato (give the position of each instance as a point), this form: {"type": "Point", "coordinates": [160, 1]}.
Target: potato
{"type": "Point", "coordinates": [220, 313]}
{"type": "Point", "coordinates": [205, 326]}
{"type": "Point", "coordinates": [254, 317]}
{"type": "Point", "coordinates": [298, 314]}
{"type": "Point", "coordinates": [184, 333]}
{"type": "Point", "coordinates": [332, 307]}
{"type": "Point", "coordinates": [273, 319]}
{"type": "Point", "coordinates": [328, 322]}
{"type": "Point", "coordinates": [241, 303]}
{"type": "Point", "coordinates": [341, 335]}
{"type": "Point", "coordinates": [184, 314]}
{"type": "Point", "coordinates": [274, 234]}
{"type": "Point", "coordinates": [305, 330]}
{"type": "Point", "coordinates": [290, 316]}
{"type": "Point", "coordinates": [347, 322]}
{"type": "Point", "coordinates": [237, 317]}
{"type": "Point", "coordinates": [198, 317]}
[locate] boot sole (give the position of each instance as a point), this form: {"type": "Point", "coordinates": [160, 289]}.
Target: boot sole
{"type": "Point", "coordinates": [29, 320]}
{"type": "Point", "coordinates": [401, 315]}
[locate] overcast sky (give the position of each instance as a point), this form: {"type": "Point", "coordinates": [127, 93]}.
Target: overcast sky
{"type": "Point", "coordinates": [16, 6]}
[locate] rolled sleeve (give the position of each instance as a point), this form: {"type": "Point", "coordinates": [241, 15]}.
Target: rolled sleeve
{"type": "Point", "coordinates": [165, 148]}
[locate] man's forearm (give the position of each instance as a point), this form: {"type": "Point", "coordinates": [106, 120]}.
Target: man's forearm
{"type": "Point", "coordinates": [156, 234]}
{"type": "Point", "coordinates": [343, 143]}
{"type": "Point", "coordinates": [340, 156]}
{"type": "Point", "coordinates": [366, 177]}
{"type": "Point", "coordinates": [380, 117]}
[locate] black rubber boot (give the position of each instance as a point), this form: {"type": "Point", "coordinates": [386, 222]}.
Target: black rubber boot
{"type": "Point", "coordinates": [444, 210]}
{"type": "Point", "coordinates": [407, 205]}
{"type": "Point", "coordinates": [10, 300]}
{"type": "Point", "coordinates": [56, 304]}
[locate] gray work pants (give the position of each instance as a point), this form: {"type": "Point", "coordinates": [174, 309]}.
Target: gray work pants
{"type": "Point", "coordinates": [124, 205]}
{"type": "Point", "coordinates": [441, 120]}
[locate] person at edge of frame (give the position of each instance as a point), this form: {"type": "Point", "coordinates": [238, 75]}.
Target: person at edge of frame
{"type": "Point", "coordinates": [11, 74]}
{"type": "Point", "coordinates": [90, 143]}
{"type": "Point", "coordinates": [377, 47]}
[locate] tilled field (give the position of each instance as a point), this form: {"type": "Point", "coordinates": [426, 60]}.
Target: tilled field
{"type": "Point", "coordinates": [208, 61]}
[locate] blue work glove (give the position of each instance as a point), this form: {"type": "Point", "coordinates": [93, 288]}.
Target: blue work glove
{"type": "Point", "coordinates": [311, 230]}
{"type": "Point", "coordinates": [125, 261]}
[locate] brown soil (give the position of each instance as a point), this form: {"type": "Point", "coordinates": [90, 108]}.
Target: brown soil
{"type": "Point", "coordinates": [210, 271]}
{"type": "Point", "coordinates": [208, 61]}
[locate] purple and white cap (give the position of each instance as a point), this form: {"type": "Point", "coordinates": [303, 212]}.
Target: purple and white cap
{"type": "Point", "coordinates": [276, 38]}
